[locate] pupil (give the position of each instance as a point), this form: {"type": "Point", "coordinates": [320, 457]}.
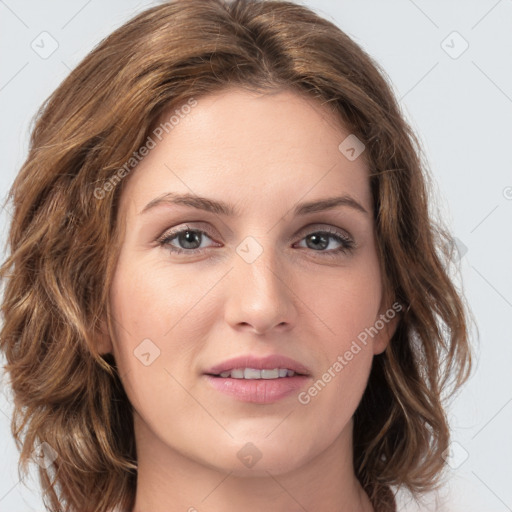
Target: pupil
{"type": "Point", "coordinates": [190, 237]}
{"type": "Point", "coordinates": [315, 238]}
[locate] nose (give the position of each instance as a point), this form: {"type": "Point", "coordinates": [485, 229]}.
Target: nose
{"type": "Point", "coordinates": [259, 295]}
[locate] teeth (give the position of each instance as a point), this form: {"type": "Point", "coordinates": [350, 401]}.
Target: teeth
{"type": "Point", "coordinates": [252, 373]}
{"type": "Point", "coordinates": [269, 374]}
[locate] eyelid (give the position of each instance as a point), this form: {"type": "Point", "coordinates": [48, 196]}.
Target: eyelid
{"type": "Point", "coordinates": [192, 226]}
{"type": "Point", "coordinates": [203, 226]}
{"type": "Point", "coordinates": [321, 227]}
{"type": "Point", "coordinates": [348, 244]}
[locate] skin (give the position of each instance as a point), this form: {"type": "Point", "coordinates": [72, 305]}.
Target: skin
{"type": "Point", "coordinates": [263, 154]}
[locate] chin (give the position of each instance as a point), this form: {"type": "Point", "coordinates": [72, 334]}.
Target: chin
{"type": "Point", "coordinates": [259, 457]}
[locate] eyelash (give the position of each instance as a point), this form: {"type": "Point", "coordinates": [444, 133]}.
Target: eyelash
{"type": "Point", "coordinates": [347, 245]}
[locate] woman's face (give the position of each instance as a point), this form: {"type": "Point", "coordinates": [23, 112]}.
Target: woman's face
{"type": "Point", "coordinates": [272, 272]}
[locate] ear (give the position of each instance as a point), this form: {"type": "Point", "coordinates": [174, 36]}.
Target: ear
{"type": "Point", "coordinates": [102, 339]}
{"type": "Point", "coordinates": [386, 323]}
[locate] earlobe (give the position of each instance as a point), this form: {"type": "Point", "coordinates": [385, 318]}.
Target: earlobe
{"type": "Point", "coordinates": [387, 320]}
{"type": "Point", "coordinates": [102, 339]}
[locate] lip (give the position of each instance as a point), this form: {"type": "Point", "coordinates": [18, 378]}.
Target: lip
{"type": "Point", "coordinates": [260, 363]}
{"type": "Point", "coordinates": [260, 391]}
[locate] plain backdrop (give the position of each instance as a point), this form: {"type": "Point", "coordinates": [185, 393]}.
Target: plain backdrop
{"type": "Point", "coordinates": [450, 66]}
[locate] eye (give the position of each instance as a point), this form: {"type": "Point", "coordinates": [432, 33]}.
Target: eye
{"type": "Point", "coordinates": [335, 241]}
{"type": "Point", "coordinates": [187, 240]}
{"type": "Point", "coordinates": [193, 241]}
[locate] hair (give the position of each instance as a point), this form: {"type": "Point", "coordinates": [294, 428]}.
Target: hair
{"type": "Point", "coordinates": [64, 242]}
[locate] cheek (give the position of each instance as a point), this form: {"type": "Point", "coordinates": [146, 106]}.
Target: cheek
{"type": "Point", "coordinates": [347, 351]}
{"type": "Point", "coordinates": [346, 301]}
{"type": "Point", "coordinates": [150, 299]}
{"type": "Point", "coordinates": [161, 320]}
{"type": "Point", "coordinates": [348, 307]}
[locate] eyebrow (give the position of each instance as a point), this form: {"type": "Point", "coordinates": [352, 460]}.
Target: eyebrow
{"type": "Point", "coordinates": [222, 208]}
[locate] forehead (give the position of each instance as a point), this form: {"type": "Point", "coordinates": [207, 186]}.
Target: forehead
{"type": "Point", "coordinates": [253, 149]}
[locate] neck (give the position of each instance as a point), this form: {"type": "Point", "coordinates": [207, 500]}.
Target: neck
{"type": "Point", "coordinates": [170, 481]}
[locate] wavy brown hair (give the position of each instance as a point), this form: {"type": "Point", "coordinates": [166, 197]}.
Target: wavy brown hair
{"type": "Point", "coordinates": [63, 243]}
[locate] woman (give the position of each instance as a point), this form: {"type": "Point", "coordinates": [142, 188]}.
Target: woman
{"type": "Point", "coordinates": [224, 289]}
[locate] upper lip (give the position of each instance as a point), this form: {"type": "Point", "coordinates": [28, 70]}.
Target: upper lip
{"type": "Point", "coordinates": [259, 363]}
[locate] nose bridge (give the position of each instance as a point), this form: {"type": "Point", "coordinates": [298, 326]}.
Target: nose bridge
{"type": "Point", "coordinates": [259, 294]}
{"type": "Point", "coordinates": [257, 266]}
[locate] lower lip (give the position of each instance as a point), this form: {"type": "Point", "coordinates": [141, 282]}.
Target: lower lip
{"type": "Point", "coordinates": [258, 391]}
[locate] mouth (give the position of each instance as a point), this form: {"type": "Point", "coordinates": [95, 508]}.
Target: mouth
{"type": "Point", "coordinates": [256, 374]}
{"type": "Point", "coordinates": [258, 386]}
{"type": "Point", "coordinates": [256, 379]}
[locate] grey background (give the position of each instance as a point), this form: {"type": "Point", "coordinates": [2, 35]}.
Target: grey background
{"type": "Point", "coordinates": [460, 104]}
